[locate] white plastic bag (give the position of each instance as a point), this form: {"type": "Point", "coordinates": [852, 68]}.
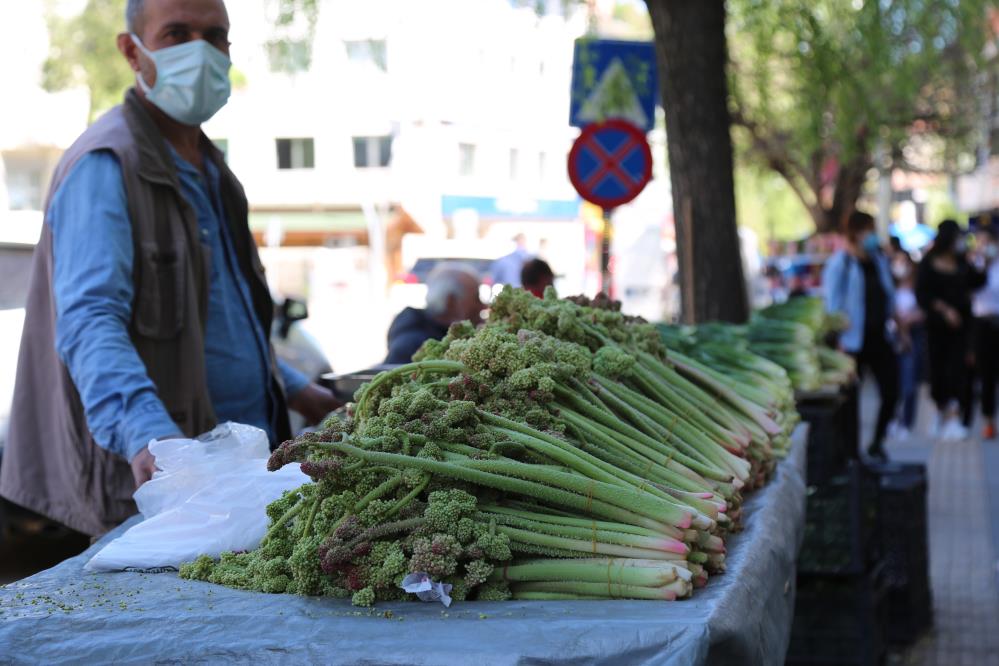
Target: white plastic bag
{"type": "Point", "coordinates": [208, 496]}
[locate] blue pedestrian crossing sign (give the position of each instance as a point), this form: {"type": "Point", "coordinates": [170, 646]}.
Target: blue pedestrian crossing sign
{"type": "Point", "coordinates": [613, 79]}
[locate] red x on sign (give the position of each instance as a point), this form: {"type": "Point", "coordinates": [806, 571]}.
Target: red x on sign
{"type": "Point", "coordinates": [610, 163]}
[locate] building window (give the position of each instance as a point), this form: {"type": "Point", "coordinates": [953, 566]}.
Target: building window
{"type": "Point", "coordinates": [542, 166]}
{"type": "Point", "coordinates": [368, 52]}
{"type": "Point", "coordinates": [296, 153]}
{"type": "Point", "coordinates": [514, 164]}
{"type": "Point", "coordinates": [466, 159]}
{"type": "Point", "coordinates": [289, 56]}
{"type": "Point", "coordinates": [223, 146]}
{"type": "Point", "coordinates": [372, 151]}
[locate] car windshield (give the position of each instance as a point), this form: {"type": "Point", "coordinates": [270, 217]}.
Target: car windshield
{"type": "Point", "coordinates": [423, 267]}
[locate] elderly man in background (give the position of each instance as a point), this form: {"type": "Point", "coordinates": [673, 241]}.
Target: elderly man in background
{"type": "Point", "coordinates": [148, 312]}
{"type": "Point", "coordinates": [452, 296]}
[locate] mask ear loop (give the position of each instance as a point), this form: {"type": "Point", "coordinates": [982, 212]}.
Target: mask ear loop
{"type": "Point", "coordinates": [146, 88]}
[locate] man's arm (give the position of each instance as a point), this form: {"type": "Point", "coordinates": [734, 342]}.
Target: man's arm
{"type": "Point", "coordinates": [92, 285]}
{"type": "Point", "coordinates": [312, 401]}
{"type": "Point", "coordinates": [293, 380]}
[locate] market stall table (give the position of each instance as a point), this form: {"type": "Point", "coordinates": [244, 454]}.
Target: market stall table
{"type": "Point", "coordinates": [742, 617]}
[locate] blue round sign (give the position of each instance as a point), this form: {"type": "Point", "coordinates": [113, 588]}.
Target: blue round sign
{"type": "Point", "coordinates": [610, 163]}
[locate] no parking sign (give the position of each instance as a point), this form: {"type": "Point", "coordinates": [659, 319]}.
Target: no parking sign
{"type": "Point", "coordinates": [610, 163]}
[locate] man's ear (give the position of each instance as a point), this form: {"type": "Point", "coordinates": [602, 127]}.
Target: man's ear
{"type": "Point", "coordinates": [127, 47]}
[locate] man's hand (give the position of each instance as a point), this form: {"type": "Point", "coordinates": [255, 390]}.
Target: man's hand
{"type": "Point", "coordinates": [143, 466]}
{"type": "Point", "coordinates": [952, 317]}
{"type": "Point", "coordinates": [314, 403]}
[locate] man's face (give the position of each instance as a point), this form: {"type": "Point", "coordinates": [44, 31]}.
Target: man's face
{"type": "Point", "coordinates": [166, 23]}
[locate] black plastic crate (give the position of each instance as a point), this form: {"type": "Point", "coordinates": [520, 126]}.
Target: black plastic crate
{"type": "Point", "coordinates": [903, 545]}
{"type": "Point", "coordinates": [831, 440]}
{"type": "Point", "coordinates": [840, 524]}
{"type": "Point", "coordinates": [838, 620]}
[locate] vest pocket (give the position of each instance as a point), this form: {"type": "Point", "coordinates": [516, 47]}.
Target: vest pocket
{"type": "Point", "coordinates": [161, 293]}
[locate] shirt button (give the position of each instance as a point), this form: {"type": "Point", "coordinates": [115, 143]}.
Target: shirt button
{"type": "Point", "coordinates": [204, 233]}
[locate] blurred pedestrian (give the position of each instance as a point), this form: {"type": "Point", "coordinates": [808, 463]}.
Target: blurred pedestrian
{"type": "Point", "coordinates": [985, 306]}
{"type": "Point", "coordinates": [536, 275]}
{"type": "Point", "coordinates": [452, 296]}
{"type": "Point", "coordinates": [944, 284]}
{"type": "Point", "coordinates": [857, 283]}
{"type": "Point", "coordinates": [506, 269]}
{"type": "Point", "coordinates": [910, 344]}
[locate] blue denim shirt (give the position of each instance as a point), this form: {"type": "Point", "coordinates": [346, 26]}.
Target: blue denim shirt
{"type": "Point", "coordinates": [92, 285]}
{"type": "Point", "coordinates": [843, 286]}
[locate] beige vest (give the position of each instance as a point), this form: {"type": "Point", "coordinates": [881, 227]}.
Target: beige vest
{"type": "Point", "coordinates": [51, 464]}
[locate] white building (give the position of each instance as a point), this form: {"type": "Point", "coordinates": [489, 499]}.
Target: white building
{"type": "Point", "coordinates": [432, 108]}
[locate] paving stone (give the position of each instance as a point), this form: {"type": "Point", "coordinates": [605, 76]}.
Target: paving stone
{"type": "Point", "coordinates": [962, 554]}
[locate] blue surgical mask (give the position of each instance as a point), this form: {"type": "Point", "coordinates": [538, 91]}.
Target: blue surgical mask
{"type": "Point", "coordinates": [192, 80]}
{"type": "Point", "coordinates": [871, 243]}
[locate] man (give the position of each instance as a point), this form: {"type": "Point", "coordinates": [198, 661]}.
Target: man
{"type": "Point", "coordinates": [506, 269]}
{"type": "Point", "coordinates": [452, 296]}
{"type": "Point", "coordinates": [148, 311]}
{"type": "Point", "coordinates": [536, 276]}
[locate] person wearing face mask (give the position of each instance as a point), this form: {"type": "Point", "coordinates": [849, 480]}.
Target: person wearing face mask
{"type": "Point", "coordinates": [148, 311]}
{"type": "Point", "coordinates": [944, 284]}
{"type": "Point", "coordinates": [985, 307]}
{"type": "Point", "coordinates": [857, 283]}
{"type": "Point", "coordinates": [911, 341]}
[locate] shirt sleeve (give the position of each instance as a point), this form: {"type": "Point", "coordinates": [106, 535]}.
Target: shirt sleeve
{"type": "Point", "coordinates": [832, 279]}
{"type": "Point", "coordinates": [93, 290]}
{"type": "Point", "coordinates": [294, 380]}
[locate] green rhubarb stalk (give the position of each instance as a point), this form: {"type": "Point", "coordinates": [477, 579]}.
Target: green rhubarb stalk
{"type": "Point", "coordinates": [668, 592]}
{"type": "Point", "coordinates": [556, 519]}
{"type": "Point", "coordinates": [605, 436]}
{"type": "Point", "coordinates": [659, 542]}
{"type": "Point", "coordinates": [706, 382]}
{"type": "Point", "coordinates": [714, 452]}
{"type": "Point", "coordinates": [585, 545]}
{"type": "Point", "coordinates": [608, 421]}
{"type": "Point", "coordinates": [630, 498]}
{"type": "Point", "coordinates": [549, 490]}
{"type": "Point", "coordinates": [622, 571]}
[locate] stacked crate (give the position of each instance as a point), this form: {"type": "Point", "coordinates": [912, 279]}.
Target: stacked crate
{"type": "Point", "coordinates": [903, 531]}
{"type": "Point", "coordinates": [840, 611]}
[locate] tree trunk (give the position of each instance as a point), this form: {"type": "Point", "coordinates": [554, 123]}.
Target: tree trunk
{"type": "Point", "coordinates": [848, 187]}
{"type": "Point", "coordinates": [691, 54]}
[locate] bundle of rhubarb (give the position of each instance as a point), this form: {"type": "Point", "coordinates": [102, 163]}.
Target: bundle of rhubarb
{"type": "Point", "coordinates": [558, 452]}
{"type": "Point", "coordinates": [791, 335]}
{"type": "Point", "coordinates": [794, 333]}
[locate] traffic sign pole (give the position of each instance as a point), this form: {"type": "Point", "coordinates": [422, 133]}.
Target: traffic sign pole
{"type": "Point", "coordinates": [609, 165]}
{"type": "Point", "coordinates": [605, 252]}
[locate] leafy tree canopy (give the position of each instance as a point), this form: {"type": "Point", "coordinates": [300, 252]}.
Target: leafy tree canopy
{"type": "Point", "coordinates": [817, 85]}
{"type": "Point", "coordinates": [82, 52]}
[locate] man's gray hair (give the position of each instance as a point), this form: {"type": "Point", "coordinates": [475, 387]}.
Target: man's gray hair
{"type": "Point", "coordinates": [445, 281]}
{"type": "Point", "coordinates": [133, 15]}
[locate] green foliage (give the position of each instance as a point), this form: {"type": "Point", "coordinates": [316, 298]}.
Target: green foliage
{"type": "Point", "coordinates": [290, 50]}
{"type": "Point", "coordinates": [816, 85]}
{"type": "Point", "coordinates": [83, 52]}
{"type": "Point", "coordinates": [766, 204]}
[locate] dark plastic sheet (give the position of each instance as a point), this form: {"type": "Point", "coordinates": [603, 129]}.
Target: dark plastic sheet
{"type": "Point", "coordinates": [742, 617]}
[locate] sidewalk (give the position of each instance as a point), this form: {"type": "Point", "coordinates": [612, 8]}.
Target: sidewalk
{"type": "Point", "coordinates": [963, 513]}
